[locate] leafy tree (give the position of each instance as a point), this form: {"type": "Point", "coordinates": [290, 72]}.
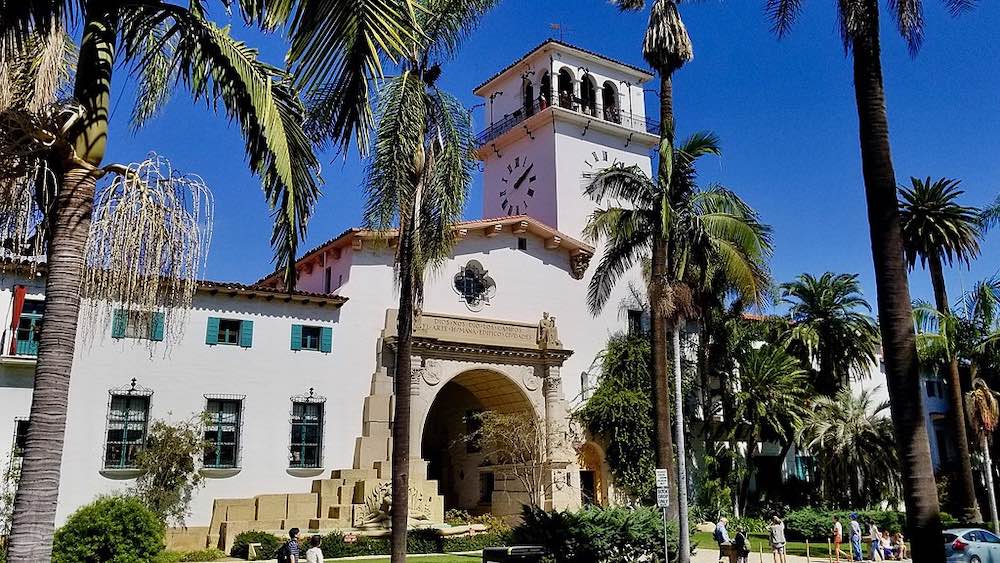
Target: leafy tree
{"type": "Point", "coordinates": [771, 399]}
{"type": "Point", "coordinates": [858, 21]}
{"type": "Point", "coordinates": [850, 439]}
{"type": "Point", "coordinates": [829, 325]}
{"type": "Point", "coordinates": [169, 466]}
{"type": "Point", "coordinates": [620, 413]}
{"type": "Point", "coordinates": [937, 230]}
{"type": "Point", "coordinates": [52, 156]}
{"type": "Point", "coordinates": [417, 181]}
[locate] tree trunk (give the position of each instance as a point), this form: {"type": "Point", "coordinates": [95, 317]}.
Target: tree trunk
{"type": "Point", "coordinates": [658, 334]}
{"type": "Point", "coordinates": [402, 389]}
{"type": "Point", "coordinates": [684, 536]}
{"type": "Point", "coordinates": [963, 489]}
{"type": "Point", "coordinates": [895, 313]}
{"type": "Point", "coordinates": [37, 495]}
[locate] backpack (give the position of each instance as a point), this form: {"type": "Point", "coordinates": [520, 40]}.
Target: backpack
{"type": "Point", "coordinates": [284, 554]}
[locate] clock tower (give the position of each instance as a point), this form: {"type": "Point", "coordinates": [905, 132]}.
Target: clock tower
{"type": "Point", "coordinates": [553, 116]}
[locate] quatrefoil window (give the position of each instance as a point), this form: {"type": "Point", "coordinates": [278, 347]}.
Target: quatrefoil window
{"type": "Point", "coordinates": [474, 285]}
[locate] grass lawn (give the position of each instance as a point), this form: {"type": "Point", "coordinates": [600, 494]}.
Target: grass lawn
{"type": "Point", "coordinates": [431, 559]}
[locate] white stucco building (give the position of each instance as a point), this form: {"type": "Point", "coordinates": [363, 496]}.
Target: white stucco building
{"type": "Point", "coordinates": [298, 386]}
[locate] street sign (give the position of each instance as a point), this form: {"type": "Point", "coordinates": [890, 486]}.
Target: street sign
{"type": "Point", "coordinates": [662, 497]}
{"type": "Point", "coordinates": [662, 478]}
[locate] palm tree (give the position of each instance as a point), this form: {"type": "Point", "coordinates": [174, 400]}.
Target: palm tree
{"type": "Point", "coordinates": [846, 435]}
{"type": "Point", "coordinates": [938, 230]}
{"type": "Point", "coordinates": [829, 324]}
{"type": "Point", "coordinates": [416, 182]}
{"type": "Point", "coordinates": [771, 399]}
{"type": "Point", "coordinates": [711, 228]}
{"type": "Point", "coordinates": [858, 21]}
{"type": "Point", "coordinates": [666, 47]}
{"type": "Point", "coordinates": [61, 151]}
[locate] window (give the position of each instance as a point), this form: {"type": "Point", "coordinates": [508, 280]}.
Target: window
{"type": "Point", "coordinates": [20, 436]}
{"type": "Point", "coordinates": [307, 433]}
{"type": "Point", "coordinates": [128, 418]}
{"type": "Point", "coordinates": [522, 243]}
{"type": "Point", "coordinates": [634, 322]}
{"type": "Point", "coordinates": [146, 325]}
{"type": "Point", "coordinates": [315, 338]}
{"type": "Point", "coordinates": [327, 279]}
{"type": "Point", "coordinates": [487, 484]}
{"type": "Point", "coordinates": [222, 432]}
{"type": "Point", "coordinates": [229, 332]}
{"type": "Point", "coordinates": [29, 326]}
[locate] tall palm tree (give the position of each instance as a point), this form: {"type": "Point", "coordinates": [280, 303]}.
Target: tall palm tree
{"type": "Point", "coordinates": [706, 228]}
{"type": "Point", "coordinates": [859, 28]}
{"type": "Point", "coordinates": [771, 398]}
{"type": "Point", "coordinates": [417, 181]}
{"type": "Point", "coordinates": [666, 47]}
{"type": "Point", "coordinates": [836, 431]}
{"type": "Point", "coordinates": [938, 230]}
{"type": "Point", "coordinates": [829, 322]}
{"type": "Point", "coordinates": [166, 45]}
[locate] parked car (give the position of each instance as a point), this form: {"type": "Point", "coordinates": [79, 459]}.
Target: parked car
{"type": "Point", "coordinates": [971, 545]}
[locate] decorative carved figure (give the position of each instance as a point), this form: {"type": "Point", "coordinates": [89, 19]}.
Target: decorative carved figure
{"type": "Point", "coordinates": [548, 334]}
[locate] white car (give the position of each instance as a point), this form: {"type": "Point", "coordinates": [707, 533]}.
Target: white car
{"type": "Point", "coordinates": [971, 545]}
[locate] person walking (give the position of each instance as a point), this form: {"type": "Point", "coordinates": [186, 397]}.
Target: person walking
{"type": "Point", "coordinates": [876, 539]}
{"type": "Point", "coordinates": [777, 536]}
{"type": "Point", "coordinates": [855, 537]}
{"type": "Point", "coordinates": [838, 537]}
{"type": "Point", "coordinates": [721, 536]}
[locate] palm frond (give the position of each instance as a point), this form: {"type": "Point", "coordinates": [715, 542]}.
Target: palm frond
{"type": "Point", "coordinates": [222, 71]}
{"type": "Point", "coordinates": [336, 54]}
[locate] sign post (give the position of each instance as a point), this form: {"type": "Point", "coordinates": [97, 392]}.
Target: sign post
{"type": "Point", "coordinates": [663, 502]}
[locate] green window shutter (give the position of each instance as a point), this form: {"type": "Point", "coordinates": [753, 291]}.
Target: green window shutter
{"type": "Point", "coordinates": [296, 337]}
{"type": "Point", "coordinates": [156, 327]}
{"type": "Point", "coordinates": [326, 339]}
{"type": "Point", "coordinates": [118, 323]}
{"type": "Point", "coordinates": [212, 334]}
{"type": "Point", "coordinates": [246, 334]}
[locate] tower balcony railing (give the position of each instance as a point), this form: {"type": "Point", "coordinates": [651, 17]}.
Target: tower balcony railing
{"type": "Point", "coordinates": [627, 120]}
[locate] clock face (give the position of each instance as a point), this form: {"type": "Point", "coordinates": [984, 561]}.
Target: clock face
{"type": "Point", "coordinates": [517, 186]}
{"type": "Point", "coordinates": [598, 159]}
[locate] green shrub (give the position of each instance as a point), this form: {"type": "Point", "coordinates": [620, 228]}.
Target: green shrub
{"type": "Point", "coordinates": [477, 542]}
{"type": "Point", "coordinates": [613, 535]}
{"type": "Point", "coordinates": [816, 524]}
{"type": "Point", "coordinates": [752, 525]}
{"type": "Point", "coordinates": [269, 543]}
{"type": "Point", "coordinates": [109, 530]}
{"type": "Point", "coordinates": [185, 556]}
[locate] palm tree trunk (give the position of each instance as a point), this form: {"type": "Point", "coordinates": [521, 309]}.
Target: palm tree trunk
{"type": "Point", "coordinates": [37, 495]}
{"type": "Point", "coordinates": [963, 489]}
{"type": "Point", "coordinates": [658, 335]}
{"type": "Point", "coordinates": [895, 314]}
{"type": "Point", "coordinates": [684, 536]}
{"type": "Point", "coordinates": [402, 392]}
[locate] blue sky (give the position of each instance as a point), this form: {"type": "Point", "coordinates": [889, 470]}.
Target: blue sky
{"type": "Point", "coordinates": [783, 109]}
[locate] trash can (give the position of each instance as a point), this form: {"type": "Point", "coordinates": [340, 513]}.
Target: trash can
{"type": "Point", "coordinates": [514, 554]}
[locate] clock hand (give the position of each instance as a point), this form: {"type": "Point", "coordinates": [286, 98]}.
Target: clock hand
{"type": "Point", "coordinates": [520, 180]}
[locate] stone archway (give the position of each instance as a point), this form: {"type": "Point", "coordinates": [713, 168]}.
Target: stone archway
{"type": "Point", "coordinates": [464, 473]}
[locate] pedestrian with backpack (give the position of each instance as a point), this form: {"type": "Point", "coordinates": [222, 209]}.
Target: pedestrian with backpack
{"type": "Point", "coordinates": [289, 551]}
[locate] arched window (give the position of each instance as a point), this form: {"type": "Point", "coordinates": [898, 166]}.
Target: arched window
{"type": "Point", "coordinates": [588, 93]}
{"type": "Point", "coordinates": [546, 86]}
{"type": "Point", "coordinates": [565, 88]}
{"type": "Point", "coordinates": [528, 97]}
{"type": "Point", "coordinates": [609, 98]}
